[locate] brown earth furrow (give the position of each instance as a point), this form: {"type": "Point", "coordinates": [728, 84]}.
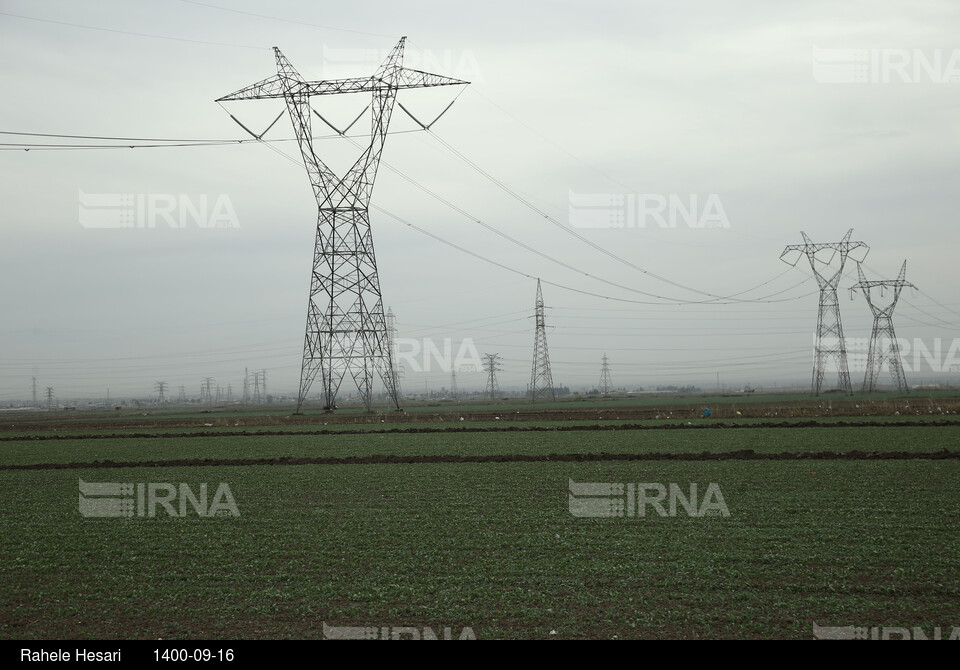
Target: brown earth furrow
{"type": "Point", "coordinates": [740, 455]}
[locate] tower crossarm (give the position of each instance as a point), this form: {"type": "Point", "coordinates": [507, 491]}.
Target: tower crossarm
{"type": "Point", "coordinates": [865, 285]}
{"type": "Point", "coordinates": [813, 249]}
{"type": "Point", "coordinates": [810, 249]}
{"type": "Point", "coordinates": [276, 87]}
{"type": "Point", "coordinates": [885, 283]}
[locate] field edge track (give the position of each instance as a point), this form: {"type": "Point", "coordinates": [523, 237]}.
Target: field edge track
{"type": "Point", "coordinates": [489, 429]}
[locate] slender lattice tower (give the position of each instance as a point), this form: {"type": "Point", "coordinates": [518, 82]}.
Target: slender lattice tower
{"type": "Point", "coordinates": [392, 348]}
{"type": "Point", "coordinates": [883, 339]}
{"type": "Point", "coordinates": [605, 383]}
{"type": "Point", "coordinates": [346, 333]}
{"type": "Point", "coordinates": [206, 390]}
{"type": "Point", "coordinates": [541, 378]}
{"type": "Point", "coordinates": [491, 365]}
{"type": "Point", "coordinates": [453, 385]}
{"type": "Point", "coordinates": [829, 342]}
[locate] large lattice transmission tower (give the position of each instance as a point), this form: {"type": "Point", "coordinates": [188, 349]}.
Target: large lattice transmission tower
{"type": "Point", "coordinates": [491, 365]}
{"type": "Point", "coordinates": [883, 339]}
{"type": "Point", "coordinates": [829, 338]}
{"type": "Point", "coordinates": [541, 378]}
{"type": "Point", "coordinates": [605, 383]}
{"type": "Point", "coordinates": [346, 333]}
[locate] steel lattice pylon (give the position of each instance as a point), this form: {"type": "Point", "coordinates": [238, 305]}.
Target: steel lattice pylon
{"type": "Point", "coordinates": [829, 342]}
{"type": "Point", "coordinates": [541, 378]}
{"type": "Point", "coordinates": [392, 349]}
{"type": "Point", "coordinates": [346, 332]}
{"type": "Point", "coordinates": [491, 365]}
{"type": "Point", "coordinates": [605, 382]}
{"type": "Point", "coordinates": [883, 350]}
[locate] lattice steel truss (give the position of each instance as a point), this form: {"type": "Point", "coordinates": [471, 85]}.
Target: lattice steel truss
{"type": "Point", "coordinates": [392, 349]}
{"type": "Point", "coordinates": [829, 340]}
{"type": "Point", "coordinates": [883, 339]}
{"type": "Point", "coordinates": [605, 383]}
{"type": "Point", "coordinates": [491, 365]}
{"type": "Point", "coordinates": [541, 378]}
{"type": "Point", "coordinates": [346, 333]}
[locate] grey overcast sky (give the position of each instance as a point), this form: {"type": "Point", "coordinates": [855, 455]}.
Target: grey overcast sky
{"type": "Point", "coordinates": [762, 118]}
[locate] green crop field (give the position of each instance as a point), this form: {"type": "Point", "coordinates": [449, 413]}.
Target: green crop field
{"type": "Point", "coordinates": [492, 547]}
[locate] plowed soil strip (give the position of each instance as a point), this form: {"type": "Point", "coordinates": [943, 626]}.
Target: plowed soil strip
{"type": "Point", "coordinates": [741, 455]}
{"type": "Point", "coordinates": [503, 429]}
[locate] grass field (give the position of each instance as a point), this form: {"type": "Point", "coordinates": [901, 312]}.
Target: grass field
{"type": "Point", "coordinates": [489, 546]}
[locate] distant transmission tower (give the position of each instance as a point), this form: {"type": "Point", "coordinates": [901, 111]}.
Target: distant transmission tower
{"type": "Point", "coordinates": [541, 379]}
{"type": "Point", "coordinates": [453, 385]}
{"type": "Point", "coordinates": [605, 383]}
{"type": "Point", "coordinates": [161, 389]}
{"type": "Point", "coordinates": [346, 330]}
{"type": "Point", "coordinates": [35, 392]}
{"type": "Point", "coordinates": [49, 397]}
{"type": "Point", "coordinates": [182, 396]}
{"type": "Point", "coordinates": [883, 340]}
{"type": "Point", "coordinates": [491, 365]}
{"type": "Point", "coordinates": [206, 390]}
{"type": "Point", "coordinates": [830, 341]}
{"type": "Point", "coordinates": [256, 388]}
{"type": "Point", "coordinates": [394, 370]}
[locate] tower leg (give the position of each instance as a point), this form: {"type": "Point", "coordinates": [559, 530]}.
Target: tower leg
{"type": "Point", "coordinates": [346, 333]}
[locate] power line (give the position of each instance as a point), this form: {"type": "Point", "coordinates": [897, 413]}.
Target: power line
{"type": "Point", "coordinates": [149, 143]}
{"type": "Point", "coordinates": [277, 18]}
{"type": "Point", "coordinates": [565, 287]}
{"type": "Point", "coordinates": [661, 299]}
{"type": "Point", "coordinates": [569, 231]}
{"type": "Point", "coordinates": [521, 273]}
{"type": "Point", "coordinates": [129, 32]}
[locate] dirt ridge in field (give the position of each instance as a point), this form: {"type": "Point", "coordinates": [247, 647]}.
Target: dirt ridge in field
{"type": "Point", "coordinates": [380, 459]}
{"type": "Point", "coordinates": [490, 429]}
